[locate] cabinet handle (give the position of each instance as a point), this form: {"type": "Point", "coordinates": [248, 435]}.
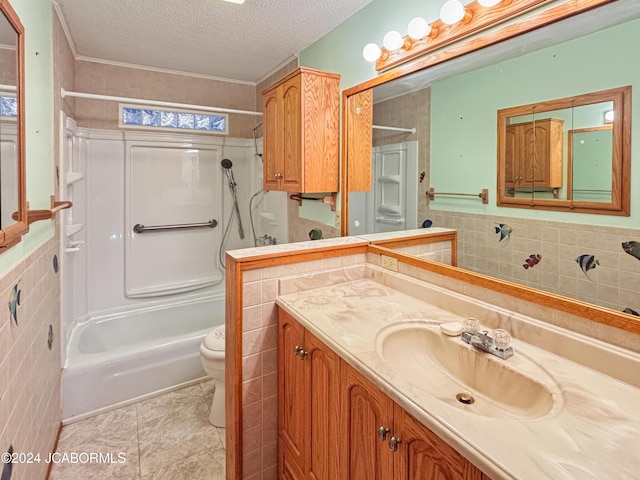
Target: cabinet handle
{"type": "Point", "coordinates": [382, 433]}
{"type": "Point", "coordinates": [393, 443]}
{"type": "Point", "coordinates": [278, 176]}
{"type": "Point", "coordinates": [300, 353]}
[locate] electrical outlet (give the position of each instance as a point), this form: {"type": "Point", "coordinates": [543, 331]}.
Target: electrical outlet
{"type": "Point", "coordinates": [389, 263]}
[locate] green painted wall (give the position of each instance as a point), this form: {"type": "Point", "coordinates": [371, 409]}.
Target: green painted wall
{"type": "Point", "coordinates": [464, 114]}
{"type": "Point", "coordinates": [35, 16]}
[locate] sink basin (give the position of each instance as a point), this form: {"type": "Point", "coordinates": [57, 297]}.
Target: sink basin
{"type": "Point", "coordinates": [458, 374]}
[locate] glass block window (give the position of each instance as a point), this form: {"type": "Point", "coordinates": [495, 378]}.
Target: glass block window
{"type": "Point", "coordinates": [8, 107]}
{"type": "Point", "coordinates": [133, 116]}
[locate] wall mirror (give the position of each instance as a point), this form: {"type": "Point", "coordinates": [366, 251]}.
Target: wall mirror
{"type": "Point", "coordinates": [453, 107]}
{"type": "Point", "coordinates": [571, 153]}
{"type": "Point", "coordinates": [13, 211]}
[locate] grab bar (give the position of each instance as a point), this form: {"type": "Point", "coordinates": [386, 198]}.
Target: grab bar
{"type": "Point", "coordinates": [139, 228]}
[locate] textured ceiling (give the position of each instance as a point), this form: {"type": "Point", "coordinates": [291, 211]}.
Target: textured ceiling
{"type": "Point", "coordinates": [205, 37]}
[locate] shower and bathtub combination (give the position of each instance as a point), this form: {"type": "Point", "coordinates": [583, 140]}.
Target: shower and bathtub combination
{"type": "Point", "coordinates": [142, 280]}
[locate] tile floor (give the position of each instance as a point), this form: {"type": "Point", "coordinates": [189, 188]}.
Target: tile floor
{"type": "Point", "coordinates": [166, 437]}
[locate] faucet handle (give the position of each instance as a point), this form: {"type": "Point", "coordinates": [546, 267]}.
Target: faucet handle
{"type": "Point", "coordinates": [501, 339]}
{"type": "Point", "coordinates": [470, 325]}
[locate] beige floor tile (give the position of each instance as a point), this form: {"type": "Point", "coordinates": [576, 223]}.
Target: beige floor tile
{"type": "Point", "coordinates": [85, 448]}
{"type": "Point", "coordinates": [206, 465]}
{"type": "Point", "coordinates": [174, 427]}
{"type": "Point", "coordinates": [166, 437]}
{"type": "Point", "coordinates": [208, 388]}
{"type": "Point", "coordinates": [129, 469]}
{"type": "Point", "coordinates": [179, 403]}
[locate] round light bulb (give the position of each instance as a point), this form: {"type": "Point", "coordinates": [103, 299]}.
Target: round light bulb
{"type": "Point", "coordinates": [452, 12]}
{"type": "Point", "coordinates": [489, 3]}
{"type": "Point", "coordinates": [371, 52]}
{"type": "Point", "coordinates": [418, 28]}
{"type": "Point", "coordinates": [392, 40]}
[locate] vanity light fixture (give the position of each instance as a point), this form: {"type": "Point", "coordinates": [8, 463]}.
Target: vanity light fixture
{"type": "Point", "coordinates": [393, 40]}
{"type": "Point", "coordinates": [418, 28]}
{"type": "Point", "coordinates": [452, 12]}
{"type": "Point", "coordinates": [371, 52]}
{"type": "Point", "coordinates": [456, 21]}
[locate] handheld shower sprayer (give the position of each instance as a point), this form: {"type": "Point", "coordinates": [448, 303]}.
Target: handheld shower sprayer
{"type": "Point", "coordinates": [227, 164]}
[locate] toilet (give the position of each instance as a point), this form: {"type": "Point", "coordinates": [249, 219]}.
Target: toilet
{"type": "Point", "coordinates": [212, 356]}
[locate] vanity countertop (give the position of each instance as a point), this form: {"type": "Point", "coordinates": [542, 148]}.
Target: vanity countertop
{"type": "Point", "coordinates": [592, 432]}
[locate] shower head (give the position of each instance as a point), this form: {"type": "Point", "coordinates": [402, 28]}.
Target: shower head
{"type": "Point", "coordinates": [226, 164]}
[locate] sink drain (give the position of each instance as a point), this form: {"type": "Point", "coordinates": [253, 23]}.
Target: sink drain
{"type": "Point", "coordinates": [465, 398]}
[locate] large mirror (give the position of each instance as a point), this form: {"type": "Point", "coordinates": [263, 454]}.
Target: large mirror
{"type": "Point", "coordinates": [450, 110]}
{"type": "Point", "coordinates": [571, 153]}
{"type": "Point", "coordinates": [13, 211]}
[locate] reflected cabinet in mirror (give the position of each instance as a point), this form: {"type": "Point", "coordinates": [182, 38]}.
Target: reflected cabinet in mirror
{"type": "Point", "coordinates": [561, 94]}
{"type": "Point", "coordinates": [571, 153]}
{"type": "Point", "coordinates": [13, 211]}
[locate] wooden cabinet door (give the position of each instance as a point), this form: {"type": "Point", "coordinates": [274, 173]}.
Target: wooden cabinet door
{"type": "Point", "coordinates": [512, 160]}
{"type": "Point", "coordinates": [360, 140]}
{"type": "Point", "coordinates": [293, 389]}
{"type": "Point", "coordinates": [287, 466]}
{"type": "Point", "coordinates": [422, 454]}
{"type": "Point", "coordinates": [292, 155]}
{"type": "Point", "coordinates": [364, 410]}
{"type": "Point", "coordinates": [533, 154]}
{"type": "Point", "coordinates": [272, 133]}
{"type": "Point", "coordinates": [323, 430]}
{"type": "Point", "coordinates": [535, 158]}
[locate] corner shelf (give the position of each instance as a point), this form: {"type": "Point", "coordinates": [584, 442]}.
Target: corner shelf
{"type": "Point", "coordinates": [73, 228]}
{"type": "Point", "coordinates": [72, 177]}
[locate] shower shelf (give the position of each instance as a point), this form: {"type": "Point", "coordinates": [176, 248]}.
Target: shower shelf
{"type": "Point", "coordinates": [72, 177]}
{"type": "Point", "coordinates": [73, 228]}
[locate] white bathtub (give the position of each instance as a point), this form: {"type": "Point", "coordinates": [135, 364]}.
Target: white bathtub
{"type": "Point", "coordinates": [119, 359]}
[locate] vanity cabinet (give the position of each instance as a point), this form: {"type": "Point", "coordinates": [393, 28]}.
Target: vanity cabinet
{"type": "Point", "coordinates": [533, 155]}
{"type": "Point", "coordinates": [301, 132]}
{"type": "Point", "coordinates": [308, 382]}
{"type": "Point", "coordinates": [333, 423]}
{"type": "Point", "coordinates": [383, 441]}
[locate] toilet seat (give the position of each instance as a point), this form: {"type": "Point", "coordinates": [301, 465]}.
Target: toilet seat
{"type": "Point", "coordinates": [215, 339]}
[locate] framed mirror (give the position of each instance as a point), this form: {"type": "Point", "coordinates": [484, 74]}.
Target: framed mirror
{"type": "Point", "coordinates": [13, 208]}
{"type": "Point", "coordinates": [572, 154]}
{"type": "Point", "coordinates": [453, 104]}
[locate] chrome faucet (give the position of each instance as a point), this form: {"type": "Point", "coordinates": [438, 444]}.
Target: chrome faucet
{"type": "Point", "coordinates": [496, 344]}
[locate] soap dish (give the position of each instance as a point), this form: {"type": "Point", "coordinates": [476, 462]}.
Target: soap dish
{"type": "Point", "coordinates": [452, 328]}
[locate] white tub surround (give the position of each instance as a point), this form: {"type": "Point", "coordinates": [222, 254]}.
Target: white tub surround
{"type": "Point", "coordinates": [119, 359]}
{"type": "Point", "coordinates": [591, 430]}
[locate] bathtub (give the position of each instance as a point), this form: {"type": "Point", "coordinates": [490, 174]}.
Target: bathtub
{"type": "Point", "coordinates": [119, 359]}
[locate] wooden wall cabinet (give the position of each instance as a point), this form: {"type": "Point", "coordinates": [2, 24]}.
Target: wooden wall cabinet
{"type": "Point", "coordinates": [334, 424]}
{"type": "Point", "coordinates": [533, 155]}
{"type": "Point", "coordinates": [301, 132]}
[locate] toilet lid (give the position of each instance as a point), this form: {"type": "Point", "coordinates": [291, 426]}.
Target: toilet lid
{"type": "Point", "coordinates": [215, 339]}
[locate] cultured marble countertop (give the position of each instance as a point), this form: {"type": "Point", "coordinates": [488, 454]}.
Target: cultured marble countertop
{"type": "Point", "coordinates": [592, 431]}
